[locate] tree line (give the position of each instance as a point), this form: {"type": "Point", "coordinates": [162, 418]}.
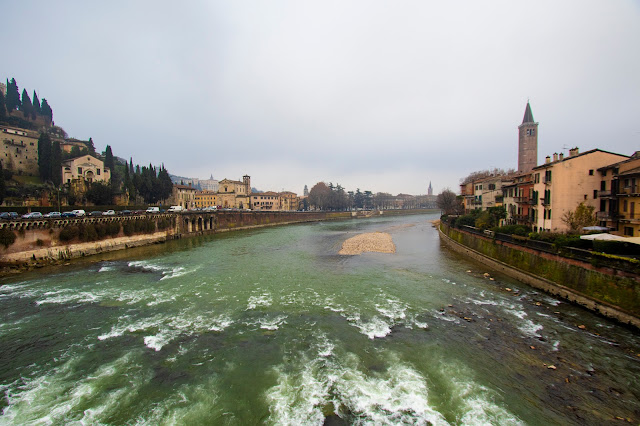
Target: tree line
{"type": "Point", "coordinates": [30, 108]}
{"type": "Point", "coordinates": [332, 197]}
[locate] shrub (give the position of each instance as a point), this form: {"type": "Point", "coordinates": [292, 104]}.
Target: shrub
{"type": "Point", "coordinates": [39, 242]}
{"type": "Point", "coordinates": [520, 230]}
{"type": "Point", "coordinates": [69, 233]}
{"type": "Point", "coordinates": [7, 237]}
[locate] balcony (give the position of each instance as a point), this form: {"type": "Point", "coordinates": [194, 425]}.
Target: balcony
{"type": "Point", "coordinates": [606, 215]}
{"type": "Point", "coordinates": [547, 181]}
{"type": "Point", "coordinates": [522, 218]}
{"type": "Point", "coordinates": [545, 202]}
{"type": "Point", "coordinates": [630, 190]}
{"type": "Point", "coordinates": [605, 194]}
{"type": "Point", "coordinates": [521, 200]}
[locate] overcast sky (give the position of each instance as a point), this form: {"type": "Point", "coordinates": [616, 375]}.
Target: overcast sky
{"type": "Point", "coordinates": [378, 95]}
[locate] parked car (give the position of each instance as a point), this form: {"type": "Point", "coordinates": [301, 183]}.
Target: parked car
{"type": "Point", "coordinates": [53, 215]}
{"type": "Point", "coordinates": [68, 214]}
{"type": "Point", "coordinates": [79, 213]}
{"type": "Point", "coordinates": [95, 213]}
{"type": "Point", "coordinates": [32, 215]}
{"type": "Point", "coordinates": [175, 209]}
{"type": "Point", "coordinates": [109, 213]}
{"type": "Point", "coordinates": [153, 210]}
{"type": "Point", "coordinates": [125, 212]}
{"type": "Point", "coordinates": [9, 216]}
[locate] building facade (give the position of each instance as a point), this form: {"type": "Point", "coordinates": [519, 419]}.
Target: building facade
{"type": "Point", "coordinates": [235, 194]}
{"type": "Point", "coordinates": [19, 150]}
{"type": "Point", "coordinates": [204, 199]}
{"type": "Point", "coordinates": [565, 182]}
{"type": "Point", "coordinates": [86, 168]}
{"type": "Point", "coordinates": [184, 196]}
{"type": "Point", "coordinates": [619, 196]}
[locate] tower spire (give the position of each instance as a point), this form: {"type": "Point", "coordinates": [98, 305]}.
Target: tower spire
{"type": "Point", "coordinates": [528, 115]}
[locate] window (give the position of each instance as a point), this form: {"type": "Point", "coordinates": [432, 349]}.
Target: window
{"type": "Point", "coordinates": [603, 185]}
{"type": "Point", "coordinates": [624, 206]}
{"type": "Point", "coordinates": [549, 214]}
{"type": "Point", "coordinates": [595, 194]}
{"type": "Point", "coordinates": [79, 170]}
{"type": "Point", "coordinates": [591, 172]}
{"type": "Point", "coordinates": [585, 196]}
{"type": "Point", "coordinates": [99, 175]}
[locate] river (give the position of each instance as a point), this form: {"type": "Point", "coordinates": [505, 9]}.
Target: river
{"type": "Point", "coordinates": [272, 326]}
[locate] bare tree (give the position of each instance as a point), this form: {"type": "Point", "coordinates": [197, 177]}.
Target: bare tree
{"type": "Point", "coordinates": [448, 202]}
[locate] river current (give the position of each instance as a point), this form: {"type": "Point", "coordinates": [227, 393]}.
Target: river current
{"type": "Point", "coordinates": [272, 326]}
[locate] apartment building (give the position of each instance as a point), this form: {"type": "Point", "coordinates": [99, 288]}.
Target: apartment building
{"type": "Point", "coordinates": [619, 196]}
{"type": "Point", "coordinates": [561, 184]}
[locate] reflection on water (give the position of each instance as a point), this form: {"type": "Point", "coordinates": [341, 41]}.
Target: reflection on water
{"type": "Point", "coordinates": [272, 326]}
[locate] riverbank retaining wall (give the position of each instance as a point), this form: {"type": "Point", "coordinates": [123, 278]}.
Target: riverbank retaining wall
{"type": "Point", "coordinates": [38, 242]}
{"type": "Point", "coordinates": [611, 292]}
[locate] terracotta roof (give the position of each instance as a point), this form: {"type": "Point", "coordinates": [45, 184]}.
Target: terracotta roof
{"type": "Point", "coordinates": [571, 157]}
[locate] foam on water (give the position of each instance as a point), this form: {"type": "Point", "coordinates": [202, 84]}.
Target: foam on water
{"type": "Point", "coordinates": [526, 326]}
{"type": "Point", "coordinates": [399, 396]}
{"type": "Point", "coordinates": [263, 299]}
{"type": "Point", "coordinates": [61, 396]}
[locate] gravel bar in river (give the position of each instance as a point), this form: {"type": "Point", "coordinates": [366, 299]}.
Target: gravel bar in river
{"type": "Point", "coordinates": [380, 242]}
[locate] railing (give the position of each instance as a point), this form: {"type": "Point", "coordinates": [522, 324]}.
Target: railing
{"type": "Point", "coordinates": [628, 190]}
{"type": "Point", "coordinates": [568, 252]}
{"type": "Point", "coordinates": [603, 194]}
{"type": "Point", "coordinates": [544, 202]}
{"type": "Point", "coordinates": [547, 181]}
{"type": "Point", "coordinates": [606, 215]}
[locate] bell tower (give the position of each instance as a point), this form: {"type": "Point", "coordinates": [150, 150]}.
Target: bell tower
{"type": "Point", "coordinates": [527, 142]}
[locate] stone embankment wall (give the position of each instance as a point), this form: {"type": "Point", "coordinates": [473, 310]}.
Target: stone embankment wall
{"type": "Point", "coordinates": [611, 292]}
{"type": "Point", "coordinates": [38, 242]}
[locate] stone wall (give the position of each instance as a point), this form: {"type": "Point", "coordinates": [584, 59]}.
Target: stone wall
{"type": "Point", "coordinates": [611, 292]}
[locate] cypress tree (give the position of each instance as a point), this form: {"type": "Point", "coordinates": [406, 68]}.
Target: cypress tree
{"type": "Point", "coordinates": [56, 163]}
{"type": "Point", "coordinates": [46, 110]}
{"type": "Point", "coordinates": [44, 156]}
{"type": "Point", "coordinates": [2, 186]}
{"type": "Point", "coordinates": [3, 109]}
{"type": "Point", "coordinates": [36, 103]}
{"type": "Point", "coordinates": [131, 166]}
{"type": "Point", "coordinates": [13, 96]}
{"type": "Point", "coordinates": [26, 104]}
{"type": "Point", "coordinates": [108, 159]}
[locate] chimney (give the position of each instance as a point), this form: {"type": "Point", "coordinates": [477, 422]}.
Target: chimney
{"type": "Point", "coordinates": [561, 156]}
{"type": "Point", "coordinates": [573, 151]}
{"type": "Point", "coordinates": [555, 156]}
{"type": "Point", "coordinates": [547, 160]}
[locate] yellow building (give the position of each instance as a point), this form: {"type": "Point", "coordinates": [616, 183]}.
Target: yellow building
{"type": "Point", "coordinates": [19, 150]}
{"type": "Point", "coordinates": [204, 199]}
{"type": "Point", "coordinates": [184, 196]}
{"type": "Point", "coordinates": [86, 168]}
{"type": "Point", "coordinates": [265, 201]}
{"type": "Point", "coordinates": [289, 201]}
{"type": "Point", "coordinates": [565, 182]}
{"type": "Point", "coordinates": [619, 195]}
{"type": "Point", "coordinates": [234, 194]}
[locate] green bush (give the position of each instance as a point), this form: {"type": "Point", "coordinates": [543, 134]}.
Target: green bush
{"type": "Point", "coordinates": [7, 237]}
{"type": "Point", "coordinates": [520, 230]}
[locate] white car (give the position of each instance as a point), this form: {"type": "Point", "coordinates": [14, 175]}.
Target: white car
{"type": "Point", "coordinates": [109, 213]}
{"type": "Point", "coordinates": [153, 210]}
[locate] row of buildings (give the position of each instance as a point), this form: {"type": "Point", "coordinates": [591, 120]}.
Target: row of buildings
{"type": "Point", "coordinates": [234, 194]}
{"type": "Point", "coordinates": [540, 195]}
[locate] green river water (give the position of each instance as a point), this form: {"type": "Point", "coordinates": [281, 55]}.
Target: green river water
{"type": "Point", "coordinates": [272, 326]}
